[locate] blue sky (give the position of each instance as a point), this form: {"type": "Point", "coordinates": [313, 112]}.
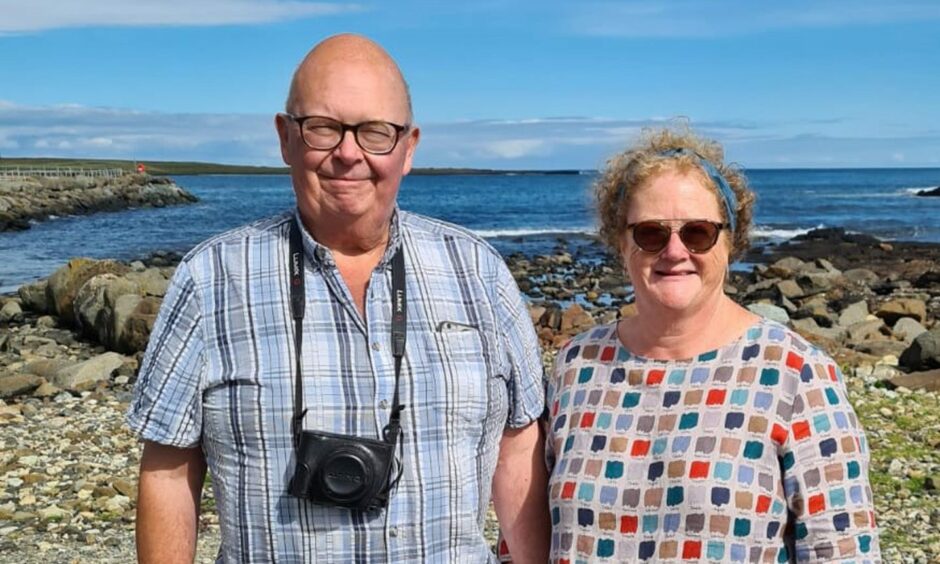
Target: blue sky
{"type": "Point", "coordinates": [510, 85]}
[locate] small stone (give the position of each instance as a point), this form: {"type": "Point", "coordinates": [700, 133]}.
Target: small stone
{"type": "Point", "coordinates": [53, 513]}
{"type": "Point", "coordinates": [886, 413]}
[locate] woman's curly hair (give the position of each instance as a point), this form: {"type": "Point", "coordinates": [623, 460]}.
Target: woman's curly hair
{"type": "Point", "coordinates": [627, 171]}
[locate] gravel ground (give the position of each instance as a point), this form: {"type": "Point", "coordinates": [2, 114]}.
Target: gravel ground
{"type": "Point", "coordinates": [68, 470]}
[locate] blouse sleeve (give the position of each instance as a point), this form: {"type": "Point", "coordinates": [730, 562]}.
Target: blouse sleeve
{"type": "Point", "coordinates": [824, 458]}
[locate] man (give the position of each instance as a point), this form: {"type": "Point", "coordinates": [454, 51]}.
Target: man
{"type": "Point", "coordinates": [217, 385]}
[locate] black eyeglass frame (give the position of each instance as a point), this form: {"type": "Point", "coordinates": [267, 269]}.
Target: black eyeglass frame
{"type": "Point", "coordinates": [668, 224]}
{"type": "Point", "coordinates": [344, 127]}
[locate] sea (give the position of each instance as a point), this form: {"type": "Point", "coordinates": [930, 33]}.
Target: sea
{"type": "Point", "coordinates": [517, 213]}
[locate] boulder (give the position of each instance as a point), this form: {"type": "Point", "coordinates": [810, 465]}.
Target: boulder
{"type": "Point", "coordinates": [895, 309]}
{"type": "Point", "coordinates": [924, 351]}
{"type": "Point", "coordinates": [855, 313]}
{"type": "Point", "coordinates": [151, 282]}
{"type": "Point", "coordinates": [34, 297]}
{"type": "Point", "coordinates": [928, 380]}
{"type": "Point", "coordinates": [11, 312]}
{"type": "Point", "coordinates": [770, 311]}
{"type": "Point", "coordinates": [575, 318]}
{"type": "Point", "coordinates": [789, 289]}
{"type": "Point", "coordinates": [12, 385]}
{"type": "Point", "coordinates": [65, 282]}
{"type": "Point", "coordinates": [867, 330]}
{"type": "Point", "coordinates": [935, 192]}
{"type": "Point", "coordinates": [93, 301]}
{"type": "Point", "coordinates": [907, 329]}
{"type": "Point", "coordinates": [880, 347]}
{"type": "Point", "coordinates": [86, 375]}
{"type": "Point", "coordinates": [861, 276]}
{"type": "Point", "coordinates": [808, 327]}
{"type": "Point", "coordinates": [627, 310]}
{"type": "Point", "coordinates": [785, 267]}
{"type": "Point", "coordinates": [134, 335]}
{"type": "Point", "coordinates": [536, 312]}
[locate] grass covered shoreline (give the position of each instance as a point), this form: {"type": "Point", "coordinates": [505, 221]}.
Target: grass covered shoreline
{"type": "Point", "coordinates": [160, 168]}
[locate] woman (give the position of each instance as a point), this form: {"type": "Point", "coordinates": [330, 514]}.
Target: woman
{"type": "Point", "coordinates": [697, 430]}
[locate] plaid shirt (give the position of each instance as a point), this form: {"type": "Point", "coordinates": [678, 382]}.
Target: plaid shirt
{"type": "Point", "coordinates": [218, 372]}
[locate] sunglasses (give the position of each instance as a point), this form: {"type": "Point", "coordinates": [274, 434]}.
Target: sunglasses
{"type": "Point", "coordinates": [698, 235]}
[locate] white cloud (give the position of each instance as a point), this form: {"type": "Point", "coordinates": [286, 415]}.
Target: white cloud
{"type": "Point", "coordinates": [514, 148]}
{"type": "Point", "coordinates": [719, 18]}
{"type": "Point", "coordinates": [20, 16]}
{"type": "Point", "coordinates": [523, 143]}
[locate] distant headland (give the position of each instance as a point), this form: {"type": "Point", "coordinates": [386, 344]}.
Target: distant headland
{"type": "Point", "coordinates": [166, 168]}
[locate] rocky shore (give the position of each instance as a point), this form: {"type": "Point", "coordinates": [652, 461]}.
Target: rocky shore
{"type": "Point", "coordinates": [70, 347]}
{"type": "Point", "coordinates": [27, 198]}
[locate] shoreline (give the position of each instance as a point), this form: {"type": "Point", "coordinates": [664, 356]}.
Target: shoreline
{"type": "Point", "coordinates": [70, 347]}
{"type": "Point", "coordinates": [27, 199]}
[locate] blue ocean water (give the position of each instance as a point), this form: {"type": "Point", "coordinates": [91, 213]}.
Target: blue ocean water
{"type": "Point", "coordinates": [525, 213]}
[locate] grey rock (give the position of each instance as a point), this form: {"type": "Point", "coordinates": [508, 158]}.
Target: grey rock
{"type": "Point", "coordinates": [789, 289]}
{"type": "Point", "coordinates": [94, 297]}
{"type": "Point", "coordinates": [895, 309]}
{"type": "Point", "coordinates": [928, 380]}
{"type": "Point", "coordinates": [924, 351]}
{"type": "Point", "coordinates": [861, 276]}
{"type": "Point", "coordinates": [34, 297]}
{"type": "Point", "coordinates": [11, 312]}
{"type": "Point", "coordinates": [907, 329]}
{"type": "Point", "coordinates": [809, 326]}
{"type": "Point", "coordinates": [866, 330]}
{"type": "Point", "coordinates": [12, 385]}
{"type": "Point", "coordinates": [855, 313]}
{"type": "Point", "coordinates": [879, 347]}
{"type": "Point", "coordinates": [770, 311]}
{"type": "Point", "coordinates": [86, 375]}
{"type": "Point", "coordinates": [151, 282]}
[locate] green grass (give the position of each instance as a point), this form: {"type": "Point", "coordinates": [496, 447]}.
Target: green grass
{"type": "Point", "coordinates": [184, 167]}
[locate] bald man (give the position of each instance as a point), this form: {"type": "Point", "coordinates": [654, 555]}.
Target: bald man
{"type": "Point", "coordinates": [359, 380]}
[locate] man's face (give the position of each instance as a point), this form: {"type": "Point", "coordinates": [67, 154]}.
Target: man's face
{"type": "Point", "coordinates": [346, 184]}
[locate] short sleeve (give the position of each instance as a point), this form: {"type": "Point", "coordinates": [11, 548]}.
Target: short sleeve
{"type": "Point", "coordinates": [825, 461]}
{"type": "Point", "coordinates": [527, 388]}
{"type": "Point", "coordinates": [167, 405]}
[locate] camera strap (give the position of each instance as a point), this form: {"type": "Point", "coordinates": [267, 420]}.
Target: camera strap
{"type": "Point", "coordinates": [391, 431]}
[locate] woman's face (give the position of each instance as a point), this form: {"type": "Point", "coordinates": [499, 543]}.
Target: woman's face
{"type": "Point", "coordinates": [675, 280]}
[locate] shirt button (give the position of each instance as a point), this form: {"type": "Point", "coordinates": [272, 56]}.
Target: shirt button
{"type": "Point", "coordinates": [376, 346]}
{"type": "Point", "coordinates": [393, 532]}
{"type": "Point", "coordinates": [383, 404]}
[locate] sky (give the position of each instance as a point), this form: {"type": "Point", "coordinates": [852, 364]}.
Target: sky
{"type": "Point", "coordinates": [495, 84]}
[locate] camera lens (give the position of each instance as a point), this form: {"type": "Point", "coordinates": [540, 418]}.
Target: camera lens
{"type": "Point", "coordinates": [346, 475]}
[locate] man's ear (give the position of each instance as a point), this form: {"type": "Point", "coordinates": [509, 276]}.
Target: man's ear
{"type": "Point", "coordinates": [282, 123]}
{"type": "Point", "coordinates": [411, 143]}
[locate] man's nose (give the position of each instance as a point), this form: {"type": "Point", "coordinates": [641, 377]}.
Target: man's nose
{"type": "Point", "coordinates": [348, 149]}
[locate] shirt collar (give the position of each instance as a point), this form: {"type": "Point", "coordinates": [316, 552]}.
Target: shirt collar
{"type": "Point", "coordinates": [323, 256]}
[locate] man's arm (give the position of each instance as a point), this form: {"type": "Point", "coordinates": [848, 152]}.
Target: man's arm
{"type": "Point", "coordinates": [168, 497]}
{"type": "Point", "coordinates": [520, 494]}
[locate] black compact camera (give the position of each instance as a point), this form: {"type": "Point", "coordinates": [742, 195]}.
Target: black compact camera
{"type": "Point", "coordinates": [344, 471]}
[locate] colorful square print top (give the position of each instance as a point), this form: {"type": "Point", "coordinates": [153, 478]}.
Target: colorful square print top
{"type": "Point", "coordinates": [748, 453]}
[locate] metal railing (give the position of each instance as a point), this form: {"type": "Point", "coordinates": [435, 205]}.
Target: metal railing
{"type": "Point", "coordinates": [62, 172]}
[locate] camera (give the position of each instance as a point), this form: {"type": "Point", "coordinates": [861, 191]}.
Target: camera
{"type": "Point", "coordinates": [343, 471]}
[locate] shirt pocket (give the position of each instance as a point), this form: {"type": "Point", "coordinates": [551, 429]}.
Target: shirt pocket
{"type": "Point", "coordinates": [479, 394]}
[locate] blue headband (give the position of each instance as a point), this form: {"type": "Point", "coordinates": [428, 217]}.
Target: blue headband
{"type": "Point", "coordinates": [727, 194]}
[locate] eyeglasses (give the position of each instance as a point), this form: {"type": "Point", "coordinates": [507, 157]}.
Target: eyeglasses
{"type": "Point", "coordinates": [698, 235]}
{"type": "Point", "coordinates": [325, 134]}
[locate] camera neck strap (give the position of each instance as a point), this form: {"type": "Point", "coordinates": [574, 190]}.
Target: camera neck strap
{"type": "Point", "coordinates": [399, 331]}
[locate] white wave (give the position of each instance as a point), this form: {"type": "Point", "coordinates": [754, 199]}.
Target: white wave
{"type": "Point", "coordinates": [489, 233]}
{"type": "Point", "coordinates": [759, 232]}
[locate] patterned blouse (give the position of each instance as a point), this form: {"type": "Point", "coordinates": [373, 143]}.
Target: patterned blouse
{"type": "Point", "coordinates": [748, 453]}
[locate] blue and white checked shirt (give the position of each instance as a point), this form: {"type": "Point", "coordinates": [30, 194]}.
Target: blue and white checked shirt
{"type": "Point", "coordinates": [218, 372]}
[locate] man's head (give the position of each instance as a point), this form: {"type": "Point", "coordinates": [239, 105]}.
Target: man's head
{"type": "Point", "coordinates": [349, 79]}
